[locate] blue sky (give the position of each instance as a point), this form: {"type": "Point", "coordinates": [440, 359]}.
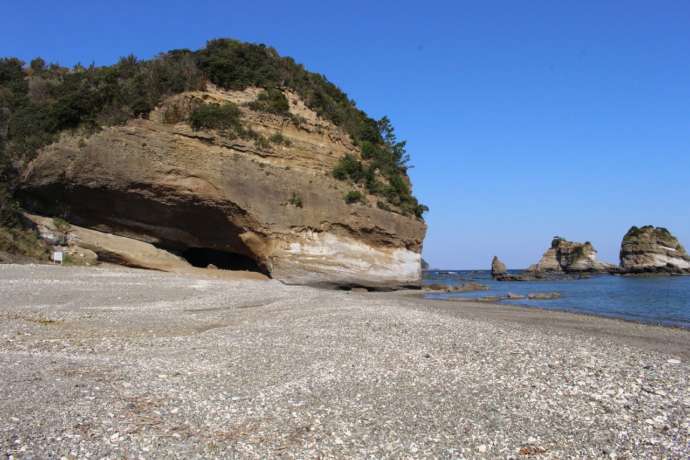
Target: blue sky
{"type": "Point", "coordinates": [524, 120]}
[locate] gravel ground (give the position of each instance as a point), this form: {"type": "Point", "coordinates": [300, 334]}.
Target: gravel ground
{"type": "Point", "coordinates": [122, 363]}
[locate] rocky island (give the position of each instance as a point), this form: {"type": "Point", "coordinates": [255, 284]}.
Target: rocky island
{"type": "Point", "coordinates": [652, 249]}
{"type": "Point", "coordinates": [570, 257]}
{"type": "Point", "coordinates": [498, 268]}
{"type": "Point", "coordinates": [644, 250]}
{"type": "Point", "coordinates": [563, 259]}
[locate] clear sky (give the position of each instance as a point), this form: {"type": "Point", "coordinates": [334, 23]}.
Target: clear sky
{"type": "Point", "coordinates": [524, 120]}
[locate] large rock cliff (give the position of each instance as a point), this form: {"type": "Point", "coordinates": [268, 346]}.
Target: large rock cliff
{"type": "Point", "coordinates": [570, 257]}
{"type": "Point", "coordinates": [652, 250]}
{"type": "Point", "coordinates": [269, 202]}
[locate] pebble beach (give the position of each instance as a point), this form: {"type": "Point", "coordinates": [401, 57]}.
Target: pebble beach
{"type": "Point", "coordinates": [122, 363]}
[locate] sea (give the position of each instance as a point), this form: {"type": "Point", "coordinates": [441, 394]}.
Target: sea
{"type": "Point", "coordinates": [660, 300]}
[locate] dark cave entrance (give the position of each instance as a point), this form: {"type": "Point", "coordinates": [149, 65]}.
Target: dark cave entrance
{"type": "Point", "coordinates": [203, 257]}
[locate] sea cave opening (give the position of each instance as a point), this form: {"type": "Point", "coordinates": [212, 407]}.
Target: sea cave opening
{"type": "Point", "coordinates": [223, 260]}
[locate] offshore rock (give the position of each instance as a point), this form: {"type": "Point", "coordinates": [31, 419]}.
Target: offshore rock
{"type": "Point", "coordinates": [653, 250]}
{"type": "Point", "coordinates": [465, 287]}
{"type": "Point", "coordinates": [498, 268]}
{"type": "Point", "coordinates": [570, 257]}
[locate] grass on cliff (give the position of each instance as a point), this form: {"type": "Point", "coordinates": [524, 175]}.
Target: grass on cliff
{"type": "Point", "coordinates": [226, 118]}
{"type": "Point", "coordinates": [39, 101]}
{"type": "Point", "coordinates": [17, 237]}
{"type": "Point", "coordinates": [661, 233]}
{"type": "Point", "coordinates": [22, 241]}
{"type": "Point", "coordinates": [271, 100]}
{"type": "Point", "coordinates": [658, 231]}
{"type": "Point", "coordinates": [296, 200]}
{"type": "Point", "coordinates": [279, 139]}
{"type": "Point", "coordinates": [216, 116]}
{"type": "Point", "coordinates": [354, 196]}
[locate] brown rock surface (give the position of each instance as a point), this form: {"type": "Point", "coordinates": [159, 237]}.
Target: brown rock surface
{"type": "Point", "coordinates": [497, 267]}
{"type": "Point", "coordinates": [570, 257]}
{"type": "Point", "coordinates": [76, 255]}
{"type": "Point", "coordinates": [653, 250]}
{"type": "Point", "coordinates": [109, 248]}
{"type": "Point", "coordinates": [91, 247]}
{"type": "Point", "coordinates": [158, 181]}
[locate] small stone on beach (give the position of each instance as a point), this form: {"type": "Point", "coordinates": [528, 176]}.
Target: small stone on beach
{"type": "Point", "coordinates": [544, 295]}
{"type": "Point", "coordinates": [512, 296]}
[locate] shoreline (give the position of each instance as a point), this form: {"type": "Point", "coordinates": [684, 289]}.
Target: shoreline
{"type": "Point", "coordinates": [652, 299]}
{"type": "Point", "coordinates": [639, 333]}
{"type": "Point", "coordinates": [560, 310]}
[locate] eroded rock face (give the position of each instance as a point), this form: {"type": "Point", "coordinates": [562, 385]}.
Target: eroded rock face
{"type": "Point", "coordinates": [570, 257]}
{"type": "Point", "coordinates": [498, 268]}
{"type": "Point", "coordinates": [653, 250]}
{"type": "Point", "coordinates": [158, 181]}
{"type": "Point", "coordinates": [91, 246]}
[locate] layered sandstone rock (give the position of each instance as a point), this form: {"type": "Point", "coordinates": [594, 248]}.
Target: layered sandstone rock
{"type": "Point", "coordinates": [570, 257]}
{"type": "Point", "coordinates": [274, 206]}
{"type": "Point", "coordinates": [652, 250]}
{"type": "Point", "coordinates": [105, 247]}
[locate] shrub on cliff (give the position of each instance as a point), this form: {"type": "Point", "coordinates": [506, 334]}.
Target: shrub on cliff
{"type": "Point", "coordinates": [9, 210]}
{"type": "Point", "coordinates": [232, 64]}
{"type": "Point", "coordinates": [271, 100]}
{"type": "Point", "coordinates": [296, 200]}
{"type": "Point", "coordinates": [44, 101]}
{"type": "Point", "coordinates": [235, 65]}
{"type": "Point", "coordinates": [388, 159]}
{"type": "Point", "coordinates": [278, 138]}
{"type": "Point", "coordinates": [354, 196]}
{"type": "Point", "coordinates": [348, 167]}
{"type": "Point", "coordinates": [227, 119]}
{"type": "Point", "coordinates": [16, 236]}
{"type": "Point", "coordinates": [216, 116]}
{"type": "Point", "coordinates": [22, 241]}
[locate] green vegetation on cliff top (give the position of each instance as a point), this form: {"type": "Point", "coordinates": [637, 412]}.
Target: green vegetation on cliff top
{"type": "Point", "coordinates": [662, 235]}
{"type": "Point", "coordinates": [39, 101]}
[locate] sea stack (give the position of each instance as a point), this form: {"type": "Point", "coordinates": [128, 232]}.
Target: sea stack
{"type": "Point", "coordinates": [570, 257]}
{"type": "Point", "coordinates": [653, 250]}
{"type": "Point", "coordinates": [498, 268]}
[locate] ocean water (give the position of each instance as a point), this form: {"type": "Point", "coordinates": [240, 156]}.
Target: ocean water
{"type": "Point", "coordinates": [663, 300]}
